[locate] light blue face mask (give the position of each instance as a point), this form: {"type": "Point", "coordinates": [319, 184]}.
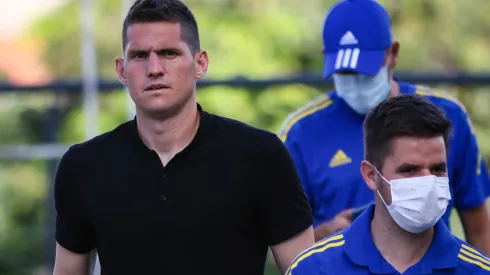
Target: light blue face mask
{"type": "Point", "coordinates": [362, 92]}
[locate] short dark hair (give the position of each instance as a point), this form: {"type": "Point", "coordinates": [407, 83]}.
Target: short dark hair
{"type": "Point", "coordinates": [401, 116]}
{"type": "Point", "coordinates": [174, 11]}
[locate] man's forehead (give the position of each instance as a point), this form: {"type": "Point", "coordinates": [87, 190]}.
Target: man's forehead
{"type": "Point", "coordinates": [146, 34]}
{"type": "Point", "coordinates": [417, 150]}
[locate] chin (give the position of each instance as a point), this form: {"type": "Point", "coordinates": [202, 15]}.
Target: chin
{"type": "Point", "coordinates": [158, 101]}
{"type": "Point", "coordinates": [161, 103]}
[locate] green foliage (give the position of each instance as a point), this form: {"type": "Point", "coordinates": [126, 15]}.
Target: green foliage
{"type": "Point", "coordinates": [249, 38]}
{"type": "Point", "coordinates": [112, 112]}
{"type": "Point", "coordinates": [22, 216]}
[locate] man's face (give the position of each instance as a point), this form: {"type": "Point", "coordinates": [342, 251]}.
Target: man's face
{"type": "Point", "coordinates": [158, 67]}
{"type": "Point", "coordinates": [412, 157]}
{"type": "Point", "coordinates": [363, 92]}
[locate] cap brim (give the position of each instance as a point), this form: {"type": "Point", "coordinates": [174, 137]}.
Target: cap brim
{"type": "Point", "coordinates": [364, 62]}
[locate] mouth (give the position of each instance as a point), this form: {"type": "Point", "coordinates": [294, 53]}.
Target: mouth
{"type": "Point", "coordinates": [157, 86]}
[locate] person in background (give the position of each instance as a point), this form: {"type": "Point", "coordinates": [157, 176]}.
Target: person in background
{"type": "Point", "coordinates": [406, 140]}
{"type": "Point", "coordinates": [176, 190]}
{"type": "Point", "coordinates": [325, 136]}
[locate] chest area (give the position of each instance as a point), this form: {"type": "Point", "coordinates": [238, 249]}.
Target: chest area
{"type": "Point", "coordinates": [334, 157]}
{"type": "Point", "coordinates": [152, 199]}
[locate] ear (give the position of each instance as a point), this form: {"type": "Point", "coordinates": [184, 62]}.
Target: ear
{"type": "Point", "coordinates": [395, 48]}
{"type": "Point", "coordinates": [120, 71]}
{"type": "Point", "coordinates": [323, 51]}
{"type": "Point", "coordinates": [201, 64]}
{"type": "Point", "coordinates": [369, 174]}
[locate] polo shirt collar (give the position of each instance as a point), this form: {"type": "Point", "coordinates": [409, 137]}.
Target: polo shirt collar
{"type": "Point", "coordinates": [444, 249]}
{"type": "Point", "coordinates": [406, 88]}
{"type": "Point", "coordinates": [360, 248]}
{"type": "Point", "coordinates": [201, 133]}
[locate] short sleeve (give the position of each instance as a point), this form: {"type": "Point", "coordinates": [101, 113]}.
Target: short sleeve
{"type": "Point", "coordinates": [284, 210]}
{"type": "Point", "coordinates": [292, 146]}
{"type": "Point", "coordinates": [471, 180]}
{"type": "Point", "coordinates": [73, 231]}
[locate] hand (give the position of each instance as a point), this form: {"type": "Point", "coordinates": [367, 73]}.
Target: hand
{"type": "Point", "coordinates": [341, 221]}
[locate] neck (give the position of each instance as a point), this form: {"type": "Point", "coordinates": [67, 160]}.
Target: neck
{"type": "Point", "coordinates": [389, 238]}
{"type": "Point", "coordinates": [169, 135]}
{"type": "Point", "coordinates": [395, 88]}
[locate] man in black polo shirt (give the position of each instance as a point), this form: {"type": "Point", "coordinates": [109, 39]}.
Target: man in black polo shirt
{"type": "Point", "coordinates": [177, 190]}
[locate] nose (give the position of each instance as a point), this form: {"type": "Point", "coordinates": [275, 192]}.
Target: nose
{"type": "Point", "coordinates": [425, 172]}
{"type": "Point", "coordinates": [154, 66]}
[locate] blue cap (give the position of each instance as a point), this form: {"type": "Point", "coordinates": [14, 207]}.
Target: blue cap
{"type": "Point", "coordinates": [356, 35]}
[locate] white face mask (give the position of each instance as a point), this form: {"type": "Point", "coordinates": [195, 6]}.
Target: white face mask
{"type": "Point", "coordinates": [362, 92]}
{"type": "Point", "coordinates": [418, 203]}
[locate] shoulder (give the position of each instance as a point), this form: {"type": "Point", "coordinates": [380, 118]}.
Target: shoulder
{"type": "Point", "coordinates": [473, 259]}
{"type": "Point", "coordinates": [442, 99]}
{"type": "Point", "coordinates": [452, 107]}
{"type": "Point", "coordinates": [93, 147]}
{"type": "Point", "coordinates": [306, 114]}
{"type": "Point", "coordinates": [313, 258]}
{"type": "Point", "coordinates": [241, 135]}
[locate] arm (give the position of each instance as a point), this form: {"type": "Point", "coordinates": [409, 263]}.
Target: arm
{"type": "Point", "coordinates": [476, 224]}
{"type": "Point", "coordinates": [75, 236]}
{"type": "Point", "coordinates": [307, 263]}
{"type": "Point", "coordinates": [471, 186]}
{"type": "Point", "coordinates": [341, 221]}
{"type": "Point", "coordinates": [71, 263]}
{"type": "Point", "coordinates": [286, 251]}
{"type": "Point", "coordinates": [284, 212]}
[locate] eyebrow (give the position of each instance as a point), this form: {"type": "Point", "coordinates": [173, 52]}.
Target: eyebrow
{"type": "Point", "coordinates": [139, 50]}
{"type": "Point", "coordinates": [135, 51]}
{"type": "Point", "coordinates": [440, 165]}
{"type": "Point", "coordinates": [409, 166]}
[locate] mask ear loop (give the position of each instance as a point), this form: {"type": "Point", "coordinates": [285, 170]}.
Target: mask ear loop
{"type": "Point", "coordinates": [377, 190]}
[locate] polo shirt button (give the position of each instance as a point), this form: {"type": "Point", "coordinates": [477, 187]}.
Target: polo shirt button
{"type": "Point", "coordinates": [163, 197]}
{"type": "Point", "coordinates": [164, 176]}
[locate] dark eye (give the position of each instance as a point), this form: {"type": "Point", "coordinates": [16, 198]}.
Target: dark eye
{"type": "Point", "coordinates": [439, 170]}
{"type": "Point", "coordinates": [138, 55]}
{"type": "Point", "coordinates": [169, 53]}
{"type": "Point", "coordinates": [409, 171]}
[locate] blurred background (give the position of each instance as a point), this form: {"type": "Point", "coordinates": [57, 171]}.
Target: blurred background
{"type": "Point", "coordinates": [58, 85]}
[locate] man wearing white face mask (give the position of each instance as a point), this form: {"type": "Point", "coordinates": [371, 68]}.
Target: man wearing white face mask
{"type": "Point", "coordinates": [325, 136]}
{"type": "Point", "coordinates": [407, 141]}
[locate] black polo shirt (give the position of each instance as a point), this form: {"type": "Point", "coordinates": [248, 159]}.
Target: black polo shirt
{"type": "Point", "coordinates": [213, 209]}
